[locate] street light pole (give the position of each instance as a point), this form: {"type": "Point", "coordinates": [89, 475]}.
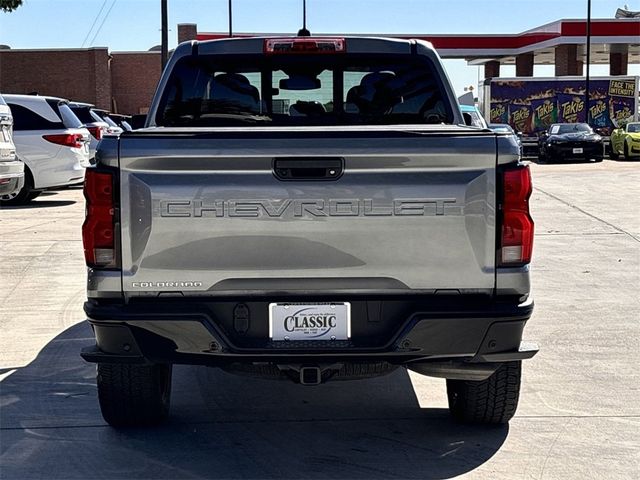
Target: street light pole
{"type": "Point", "coordinates": [588, 60]}
{"type": "Point", "coordinates": [230, 20]}
{"type": "Point", "coordinates": [164, 47]}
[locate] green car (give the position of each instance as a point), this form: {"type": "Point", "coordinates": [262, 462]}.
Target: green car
{"type": "Point", "coordinates": [626, 141]}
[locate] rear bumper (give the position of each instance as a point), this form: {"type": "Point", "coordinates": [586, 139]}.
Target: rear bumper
{"type": "Point", "coordinates": [566, 151]}
{"type": "Point", "coordinates": [185, 333]}
{"type": "Point", "coordinates": [11, 177]}
{"type": "Point", "coordinates": [66, 168]}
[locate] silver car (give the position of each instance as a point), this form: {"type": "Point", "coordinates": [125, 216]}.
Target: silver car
{"type": "Point", "coordinates": [51, 142]}
{"type": "Point", "coordinates": [11, 169]}
{"type": "Point", "coordinates": [91, 121]}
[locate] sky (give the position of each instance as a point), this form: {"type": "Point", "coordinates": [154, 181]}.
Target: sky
{"type": "Point", "coordinates": [135, 24]}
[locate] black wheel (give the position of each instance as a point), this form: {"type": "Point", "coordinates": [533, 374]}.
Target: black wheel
{"type": "Point", "coordinates": [490, 401]}
{"type": "Point", "coordinates": [627, 153]}
{"type": "Point", "coordinates": [26, 193]}
{"type": "Point", "coordinates": [542, 158]}
{"type": "Point", "coordinates": [598, 159]}
{"type": "Point", "coordinates": [134, 395]}
{"type": "Point", "coordinates": [33, 194]}
{"type": "Point", "coordinates": [613, 155]}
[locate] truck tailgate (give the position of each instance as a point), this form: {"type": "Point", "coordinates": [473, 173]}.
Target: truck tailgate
{"type": "Point", "coordinates": [205, 212]}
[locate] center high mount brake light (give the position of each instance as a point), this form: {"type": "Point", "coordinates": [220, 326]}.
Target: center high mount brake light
{"type": "Point", "coordinates": [303, 45]}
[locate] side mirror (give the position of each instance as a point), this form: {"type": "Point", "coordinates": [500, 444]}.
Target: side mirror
{"type": "Point", "coordinates": [468, 121]}
{"type": "Point", "coordinates": [138, 121]}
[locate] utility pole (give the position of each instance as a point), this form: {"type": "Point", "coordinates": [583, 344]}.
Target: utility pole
{"type": "Point", "coordinates": [588, 59]}
{"type": "Point", "coordinates": [230, 20]}
{"type": "Point", "coordinates": [165, 33]}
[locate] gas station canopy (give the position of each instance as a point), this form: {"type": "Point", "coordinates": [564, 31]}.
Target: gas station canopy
{"type": "Point", "coordinates": [608, 36]}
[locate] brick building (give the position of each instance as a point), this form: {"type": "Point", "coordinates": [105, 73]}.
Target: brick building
{"type": "Point", "coordinates": [134, 77]}
{"type": "Point", "coordinates": [117, 81]}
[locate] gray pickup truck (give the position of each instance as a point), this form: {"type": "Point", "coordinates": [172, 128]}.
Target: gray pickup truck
{"type": "Point", "coordinates": [309, 209]}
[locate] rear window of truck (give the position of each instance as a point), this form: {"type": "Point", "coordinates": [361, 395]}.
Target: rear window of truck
{"type": "Point", "coordinates": [295, 90]}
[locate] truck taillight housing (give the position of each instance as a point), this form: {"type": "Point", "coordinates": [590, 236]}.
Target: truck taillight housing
{"type": "Point", "coordinates": [99, 227]}
{"type": "Point", "coordinates": [516, 225]}
{"type": "Point", "coordinates": [304, 45]}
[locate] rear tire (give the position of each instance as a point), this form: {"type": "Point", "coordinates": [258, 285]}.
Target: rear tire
{"type": "Point", "coordinates": [613, 155]}
{"type": "Point", "coordinates": [33, 194]}
{"type": "Point", "coordinates": [490, 401]}
{"type": "Point", "coordinates": [542, 158]}
{"type": "Point", "coordinates": [134, 395]}
{"type": "Point", "coordinates": [627, 152]}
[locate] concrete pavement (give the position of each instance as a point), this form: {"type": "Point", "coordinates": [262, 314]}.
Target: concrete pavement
{"type": "Point", "coordinates": [579, 413]}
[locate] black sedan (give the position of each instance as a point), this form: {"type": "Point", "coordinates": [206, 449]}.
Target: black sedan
{"type": "Point", "coordinates": [570, 141]}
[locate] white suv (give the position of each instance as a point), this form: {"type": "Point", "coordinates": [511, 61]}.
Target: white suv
{"type": "Point", "coordinates": [11, 170]}
{"type": "Point", "coordinates": [50, 141]}
{"type": "Point", "coordinates": [92, 122]}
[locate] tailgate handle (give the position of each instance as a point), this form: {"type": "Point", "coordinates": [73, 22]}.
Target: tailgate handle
{"type": "Point", "coordinates": [308, 168]}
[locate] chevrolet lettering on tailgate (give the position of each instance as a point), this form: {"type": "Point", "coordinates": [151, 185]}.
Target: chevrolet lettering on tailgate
{"type": "Point", "coordinates": [313, 207]}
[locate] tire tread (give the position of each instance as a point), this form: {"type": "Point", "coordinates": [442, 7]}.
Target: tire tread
{"type": "Point", "coordinates": [490, 401]}
{"type": "Point", "coordinates": [134, 395]}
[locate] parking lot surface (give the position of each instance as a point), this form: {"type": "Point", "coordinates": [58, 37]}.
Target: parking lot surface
{"type": "Point", "coordinates": [579, 413]}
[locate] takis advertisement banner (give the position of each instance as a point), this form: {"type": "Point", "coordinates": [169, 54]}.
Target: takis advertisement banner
{"type": "Point", "coordinates": [531, 106]}
{"type": "Point", "coordinates": [499, 113]}
{"type": "Point", "coordinates": [521, 117]}
{"type": "Point", "coordinates": [545, 112]}
{"type": "Point", "coordinates": [598, 113]}
{"type": "Point", "coordinates": [571, 108]}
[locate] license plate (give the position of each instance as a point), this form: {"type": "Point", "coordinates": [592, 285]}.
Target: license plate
{"type": "Point", "coordinates": [310, 321]}
{"type": "Point", "coordinates": [577, 150]}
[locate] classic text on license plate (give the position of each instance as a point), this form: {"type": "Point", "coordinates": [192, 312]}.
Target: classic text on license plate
{"type": "Point", "coordinates": [310, 321]}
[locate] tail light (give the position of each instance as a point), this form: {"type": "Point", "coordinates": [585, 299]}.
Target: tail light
{"type": "Point", "coordinates": [96, 132]}
{"type": "Point", "coordinates": [73, 140]}
{"type": "Point", "coordinates": [516, 236]}
{"type": "Point", "coordinates": [99, 227]}
{"type": "Point", "coordinates": [304, 45]}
